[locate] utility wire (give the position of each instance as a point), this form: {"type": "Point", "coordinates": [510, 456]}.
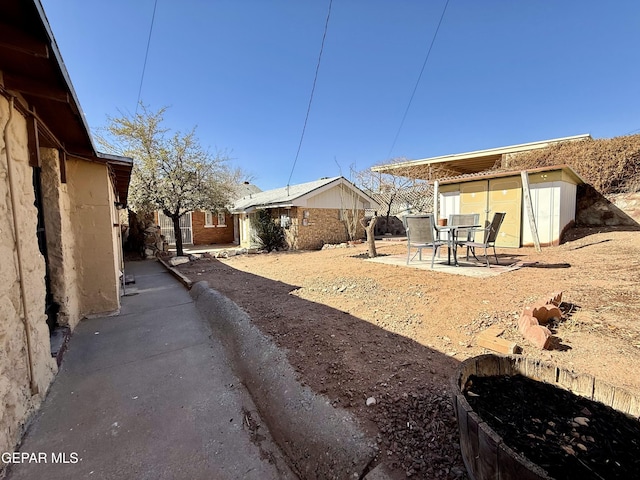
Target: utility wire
{"type": "Point", "coordinates": [313, 88]}
{"type": "Point", "coordinates": [424, 64]}
{"type": "Point", "coordinates": [146, 55]}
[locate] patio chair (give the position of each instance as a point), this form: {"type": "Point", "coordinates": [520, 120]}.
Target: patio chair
{"type": "Point", "coordinates": [464, 234]}
{"type": "Point", "coordinates": [421, 233]}
{"type": "Point", "coordinates": [490, 236]}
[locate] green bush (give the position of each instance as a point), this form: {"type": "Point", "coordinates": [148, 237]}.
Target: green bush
{"type": "Point", "coordinates": [269, 233]}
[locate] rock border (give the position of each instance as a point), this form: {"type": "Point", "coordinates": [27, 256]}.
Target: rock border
{"type": "Point", "coordinates": [321, 441]}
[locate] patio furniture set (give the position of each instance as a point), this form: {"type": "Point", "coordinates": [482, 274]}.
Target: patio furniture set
{"type": "Point", "coordinates": [460, 230]}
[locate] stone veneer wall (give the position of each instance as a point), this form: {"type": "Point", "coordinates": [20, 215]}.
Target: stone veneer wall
{"type": "Point", "coordinates": [16, 401]}
{"type": "Point", "coordinates": [323, 225]}
{"type": "Point", "coordinates": [210, 235]}
{"type": "Point", "coordinates": [61, 243]}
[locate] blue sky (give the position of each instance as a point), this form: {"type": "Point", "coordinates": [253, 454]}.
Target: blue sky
{"type": "Point", "coordinates": [500, 73]}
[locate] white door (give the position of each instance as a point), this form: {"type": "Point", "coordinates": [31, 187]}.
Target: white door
{"type": "Point", "coordinates": [449, 204]}
{"type": "Point", "coordinates": [545, 198]}
{"type": "Point", "coordinates": [166, 228]}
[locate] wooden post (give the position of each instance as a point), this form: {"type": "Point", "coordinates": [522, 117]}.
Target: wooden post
{"type": "Point", "coordinates": [34, 143]}
{"type": "Point", "coordinates": [62, 155]}
{"type": "Point", "coordinates": [529, 206]}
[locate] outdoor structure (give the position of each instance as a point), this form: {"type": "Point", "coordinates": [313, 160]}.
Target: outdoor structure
{"type": "Point", "coordinates": [553, 198]}
{"type": "Point", "coordinates": [60, 248]}
{"type": "Point", "coordinates": [467, 163]}
{"type": "Point", "coordinates": [481, 182]}
{"type": "Point", "coordinates": [313, 213]}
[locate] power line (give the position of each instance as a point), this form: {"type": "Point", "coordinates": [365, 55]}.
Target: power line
{"type": "Point", "coordinates": [146, 54]}
{"type": "Point", "coordinates": [424, 64]}
{"type": "Point", "coordinates": [313, 88]}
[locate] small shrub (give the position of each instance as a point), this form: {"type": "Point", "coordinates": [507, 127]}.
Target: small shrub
{"type": "Point", "coordinates": [269, 233]}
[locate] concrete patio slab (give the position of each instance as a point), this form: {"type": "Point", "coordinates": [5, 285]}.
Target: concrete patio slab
{"type": "Point", "coordinates": [469, 269]}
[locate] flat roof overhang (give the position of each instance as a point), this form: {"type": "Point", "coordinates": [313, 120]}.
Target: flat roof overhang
{"type": "Point", "coordinates": [464, 163]}
{"type": "Point", "coordinates": [511, 173]}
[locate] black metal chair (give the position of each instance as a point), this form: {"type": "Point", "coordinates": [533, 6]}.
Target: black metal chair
{"type": "Point", "coordinates": [421, 233]}
{"type": "Point", "coordinates": [490, 236]}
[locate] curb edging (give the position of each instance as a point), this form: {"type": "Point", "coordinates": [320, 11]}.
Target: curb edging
{"type": "Point", "coordinates": [181, 278]}
{"type": "Point", "coordinates": [321, 441]}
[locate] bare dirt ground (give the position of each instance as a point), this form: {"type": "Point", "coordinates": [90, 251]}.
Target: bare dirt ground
{"type": "Point", "coordinates": [355, 329]}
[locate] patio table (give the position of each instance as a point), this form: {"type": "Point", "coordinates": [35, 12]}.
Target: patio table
{"type": "Point", "coordinates": [451, 239]}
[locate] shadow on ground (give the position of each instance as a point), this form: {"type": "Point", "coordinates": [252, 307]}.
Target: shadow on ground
{"type": "Point", "coordinates": [351, 361]}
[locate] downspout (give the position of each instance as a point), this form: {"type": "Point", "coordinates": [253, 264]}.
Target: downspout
{"type": "Point", "coordinates": [25, 316]}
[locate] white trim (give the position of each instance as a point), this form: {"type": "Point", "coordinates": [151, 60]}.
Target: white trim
{"type": "Point", "coordinates": [208, 219]}
{"type": "Point", "coordinates": [478, 153]}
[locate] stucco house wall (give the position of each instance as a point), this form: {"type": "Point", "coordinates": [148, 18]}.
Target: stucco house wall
{"type": "Point", "coordinates": [16, 399]}
{"type": "Point", "coordinates": [84, 253]}
{"type": "Point", "coordinates": [92, 222]}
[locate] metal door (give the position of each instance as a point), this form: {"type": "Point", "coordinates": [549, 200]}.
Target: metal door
{"type": "Point", "coordinates": [166, 228]}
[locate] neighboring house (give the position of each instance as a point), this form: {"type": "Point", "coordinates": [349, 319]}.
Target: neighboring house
{"type": "Point", "coordinates": [206, 228]}
{"type": "Point", "coordinates": [476, 182]}
{"type": "Point", "coordinates": [60, 248]}
{"type": "Point", "coordinates": [312, 213]}
{"type": "Point", "coordinates": [199, 228]}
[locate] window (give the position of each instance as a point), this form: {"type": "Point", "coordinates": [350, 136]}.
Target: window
{"type": "Point", "coordinates": [222, 219]}
{"type": "Point", "coordinates": [208, 219]}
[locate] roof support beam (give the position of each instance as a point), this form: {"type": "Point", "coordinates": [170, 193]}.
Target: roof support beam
{"type": "Point", "coordinates": [14, 39]}
{"type": "Point", "coordinates": [62, 155]}
{"type": "Point", "coordinates": [33, 142]}
{"type": "Point", "coordinates": [28, 86]}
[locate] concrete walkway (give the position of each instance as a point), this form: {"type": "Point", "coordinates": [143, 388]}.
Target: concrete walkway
{"type": "Point", "coordinates": [148, 394]}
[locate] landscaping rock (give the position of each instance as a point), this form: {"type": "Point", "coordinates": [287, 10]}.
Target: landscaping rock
{"type": "Point", "coordinates": [173, 261]}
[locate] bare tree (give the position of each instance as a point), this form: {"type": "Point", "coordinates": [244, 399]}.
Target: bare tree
{"type": "Point", "coordinates": [395, 192]}
{"type": "Point", "coordinates": [369, 229]}
{"type": "Point", "coordinates": [172, 173]}
{"type": "Point", "coordinates": [349, 212]}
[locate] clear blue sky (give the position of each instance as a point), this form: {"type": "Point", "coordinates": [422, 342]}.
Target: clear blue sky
{"type": "Point", "coordinates": [500, 73]}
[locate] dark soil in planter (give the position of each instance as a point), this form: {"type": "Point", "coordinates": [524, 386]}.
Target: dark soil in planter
{"type": "Point", "coordinates": [567, 435]}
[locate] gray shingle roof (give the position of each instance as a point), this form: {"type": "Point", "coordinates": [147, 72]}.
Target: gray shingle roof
{"type": "Point", "coordinates": [279, 196]}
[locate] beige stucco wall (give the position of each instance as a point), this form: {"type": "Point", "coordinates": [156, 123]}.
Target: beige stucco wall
{"type": "Point", "coordinates": [16, 401]}
{"type": "Point", "coordinates": [92, 222]}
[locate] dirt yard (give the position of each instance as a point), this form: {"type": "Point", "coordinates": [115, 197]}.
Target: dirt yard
{"type": "Point", "coordinates": [355, 329]}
